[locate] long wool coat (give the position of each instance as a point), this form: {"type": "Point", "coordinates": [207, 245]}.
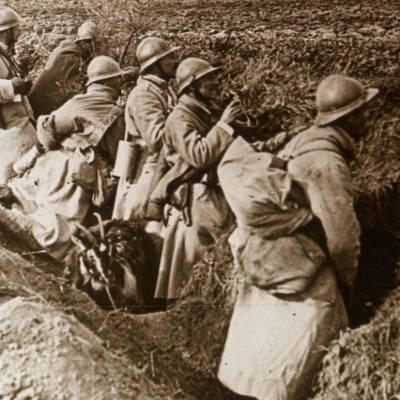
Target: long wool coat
{"type": "Point", "coordinates": [275, 342]}
{"type": "Point", "coordinates": [146, 112]}
{"type": "Point", "coordinates": [17, 134]}
{"type": "Point", "coordinates": [61, 78]}
{"type": "Point", "coordinates": [191, 135]}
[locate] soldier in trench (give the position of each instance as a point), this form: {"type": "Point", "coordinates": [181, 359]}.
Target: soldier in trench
{"type": "Point", "coordinates": [195, 139]}
{"type": "Point", "coordinates": [147, 109]}
{"type": "Point", "coordinates": [74, 174]}
{"type": "Point", "coordinates": [65, 72]}
{"type": "Point", "coordinates": [278, 331]}
{"type": "Point", "coordinates": [17, 133]}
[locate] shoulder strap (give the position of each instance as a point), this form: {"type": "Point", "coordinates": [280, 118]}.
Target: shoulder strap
{"type": "Point", "coordinates": [280, 163]}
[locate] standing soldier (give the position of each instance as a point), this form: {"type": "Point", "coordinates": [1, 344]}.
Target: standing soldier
{"type": "Point", "coordinates": [17, 134]}
{"type": "Point", "coordinates": [65, 71]}
{"type": "Point", "coordinates": [147, 109]}
{"type": "Point", "coordinates": [278, 331]}
{"type": "Point", "coordinates": [195, 140]}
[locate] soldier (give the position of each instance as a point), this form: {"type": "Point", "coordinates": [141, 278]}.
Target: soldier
{"type": "Point", "coordinates": [278, 331]}
{"type": "Point", "coordinates": [195, 139]}
{"type": "Point", "coordinates": [17, 134]}
{"type": "Point", "coordinates": [147, 109]}
{"type": "Point", "coordinates": [74, 173]}
{"type": "Point", "coordinates": [65, 71]}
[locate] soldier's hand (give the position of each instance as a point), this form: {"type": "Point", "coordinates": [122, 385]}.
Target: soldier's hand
{"type": "Point", "coordinates": [277, 141]}
{"type": "Point", "coordinates": [27, 86]}
{"type": "Point", "coordinates": [232, 112]}
{"type": "Point", "coordinates": [18, 84]}
{"type": "Point", "coordinates": [21, 86]}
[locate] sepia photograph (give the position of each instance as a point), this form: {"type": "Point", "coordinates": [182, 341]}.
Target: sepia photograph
{"type": "Point", "coordinates": [199, 200]}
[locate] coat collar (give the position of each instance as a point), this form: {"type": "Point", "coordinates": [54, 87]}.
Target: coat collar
{"type": "Point", "coordinates": [320, 137]}
{"type": "Point", "coordinates": [346, 142]}
{"type": "Point", "coordinates": [333, 134]}
{"type": "Point", "coordinates": [104, 91]}
{"type": "Point", "coordinates": [194, 104]}
{"type": "Point", "coordinates": [161, 83]}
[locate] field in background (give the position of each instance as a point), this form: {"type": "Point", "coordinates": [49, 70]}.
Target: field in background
{"type": "Point", "coordinates": [274, 53]}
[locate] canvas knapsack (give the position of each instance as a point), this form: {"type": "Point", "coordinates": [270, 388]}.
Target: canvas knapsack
{"type": "Point", "coordinates": [269, 245]}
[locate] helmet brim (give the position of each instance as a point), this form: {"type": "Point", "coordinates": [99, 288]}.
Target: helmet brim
{"type": "Point", "coordinates": [80, 39]}
{"type": "Point", "coordinates": [156, 58]}
{"type": "Point", "coordinates": [9, 26]}
{"type": "Point", "coordinates": [325, 118]}
{"type": "Point", "coordinates": [196, 77]}
{"type": "Point", "coordinates": [108, 76]}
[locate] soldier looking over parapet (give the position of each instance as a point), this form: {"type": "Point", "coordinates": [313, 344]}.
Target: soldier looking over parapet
{"type": "Point", "coordinates": [147, 109]}
{"type": "Point", "coordinates": [196, 137]}
{"type": "Point", "coordinates": [295, 252]}
{"type": "Point", "coordinates": [65, 71]}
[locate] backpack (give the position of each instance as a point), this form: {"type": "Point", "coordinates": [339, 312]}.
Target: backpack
{"type": "Point", "coordinates": [271, 245]}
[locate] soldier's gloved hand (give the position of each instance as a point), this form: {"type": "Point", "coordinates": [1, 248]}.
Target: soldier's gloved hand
{"type": "Point", "coordinates": [232, 112]}
{"type": "Point", "coordinates": [27, 87]}
{"type": "Point", "coordinates": [18, 84]}
{"type": "Point", "coordinates": [21, 86]}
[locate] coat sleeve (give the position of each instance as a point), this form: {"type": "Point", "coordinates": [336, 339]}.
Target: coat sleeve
{"type": "Point", "coordinates": [54, 128]}
{"type": "Point", "coordinates": [6, 87]}
{"type": "Point", "coordinates": [197, 150]}
{"type": "Point", "coordinates": [148, 113]}
{"type": "Point", "coordinates": [6, 91]}
{"type": "Point", "coordinates": [71, 68]}
{"type": "Point", "coordinates": [66, 61]}
{"type": "Point", "coordinates": [330, 193]}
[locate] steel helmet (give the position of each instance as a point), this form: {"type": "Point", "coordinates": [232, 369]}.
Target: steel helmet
{"type": "Point", "coordinates": [87, 31]}
{"type": "Point", "coordinates": [103, 67]}
{"type": "Point", "coordinates": [8, 18]}
{"type": "Point", "coordinates": [152, 49]}
{"type": "Point", "coordinates": [190, 70]}
{"type": "Point", "coordinates": [338, 95]}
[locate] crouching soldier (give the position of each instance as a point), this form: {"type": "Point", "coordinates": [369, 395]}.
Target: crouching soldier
{"type": "Point", "coordinates": [64, 73]}
{"type": "Point", "coordinates": [195, 140]}
{"type": "Point", "coordinates": [147, 109]}
{"type": "Point", "coordinates": [293, 259]}
{"type": "Point", "coordinates": [74, 173]}
{"type": "Point", "coordinates": [17, 134]}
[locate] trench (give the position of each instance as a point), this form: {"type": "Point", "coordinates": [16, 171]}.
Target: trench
{"type": "Point", "coordinates": [380, 255]}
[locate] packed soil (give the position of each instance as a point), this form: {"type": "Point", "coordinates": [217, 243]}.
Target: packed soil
{"type": "Point", "coordinates": [45, 351]}
{"type": "Point", "coordinates": [57, 343]}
